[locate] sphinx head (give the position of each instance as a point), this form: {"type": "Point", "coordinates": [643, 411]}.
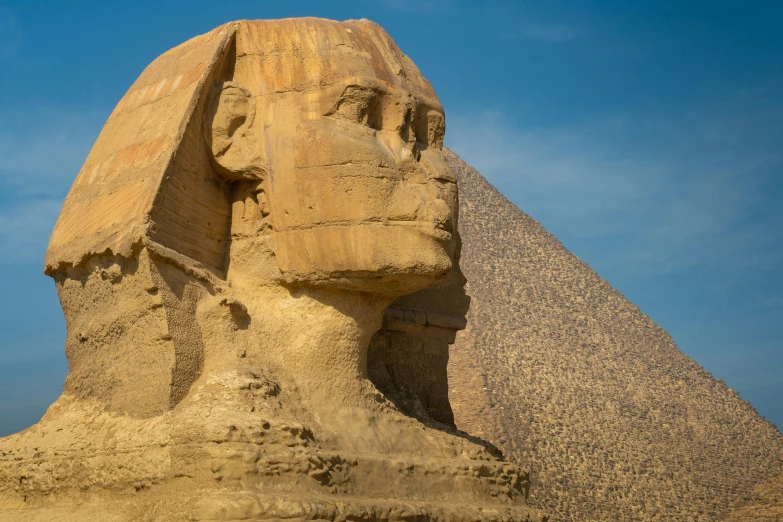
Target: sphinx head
{"type": "Point", "coordinates": [303, 153]}
{"type": "Point", "coordinates": [298, 151]}
{"type": "Point", "coordinates": [331, 141]}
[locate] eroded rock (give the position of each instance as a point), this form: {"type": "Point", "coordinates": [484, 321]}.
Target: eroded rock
{"type": "Point", "coordinates": [255, 202]}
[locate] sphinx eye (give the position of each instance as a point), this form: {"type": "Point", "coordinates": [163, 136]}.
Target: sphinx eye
{"type": "Point", "coordinates": [359, 105]}
{"type": "Point", "coordinates": [430, 128]}
{"type": "Point", "coordinates": [406, 129]}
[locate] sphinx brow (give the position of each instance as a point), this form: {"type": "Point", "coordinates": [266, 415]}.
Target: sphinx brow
{"type": "Point", "coordinates": [424, 104]}
{"type": "Point", "coordinates": [337, 92]}
{"type": "Point", "coordinates": [337, 89]}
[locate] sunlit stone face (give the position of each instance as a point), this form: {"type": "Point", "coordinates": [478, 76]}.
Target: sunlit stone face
{"type": "Point", "coordinates": [365, 188]}
{"type": "Point", "coordinates": [342, 154]}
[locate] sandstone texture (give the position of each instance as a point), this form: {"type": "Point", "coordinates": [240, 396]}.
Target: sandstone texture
{"type": "Point", "coordinates": [267, 206]}
{"type": "Point", "coordinates": [573, 381]}
{"type": "Point", "coordinates": [764, 505]}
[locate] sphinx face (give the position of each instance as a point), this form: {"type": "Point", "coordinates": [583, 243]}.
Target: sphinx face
{"type": "Point", "coordinates": [364, 192]}
{"type": "Point", "coordinates": [354, 188]}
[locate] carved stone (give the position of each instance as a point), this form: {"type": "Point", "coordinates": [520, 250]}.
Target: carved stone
{"type": "Point", "coordinates": [253, 206]}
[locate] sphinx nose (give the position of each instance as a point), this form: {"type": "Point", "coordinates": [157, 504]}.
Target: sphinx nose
{"type": "Point", "coordinates": [401, 149]}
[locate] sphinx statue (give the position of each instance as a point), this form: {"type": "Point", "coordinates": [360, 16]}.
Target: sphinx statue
{"type": "Point", "coordinates": [258, 267]}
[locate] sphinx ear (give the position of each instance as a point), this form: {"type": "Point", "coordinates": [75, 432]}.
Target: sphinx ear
{"type": "Point", "coordinates": [229, 115]}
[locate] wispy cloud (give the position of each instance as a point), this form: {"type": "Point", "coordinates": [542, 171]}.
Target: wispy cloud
{"type": "Point", "coordinates": [25, 230]}
{"type": "Point", "coordinates": [44, 145]}
{"type": "Point", "coordinates": [42, 148]}
{"type": "Point", "coordinates": [653, 195]}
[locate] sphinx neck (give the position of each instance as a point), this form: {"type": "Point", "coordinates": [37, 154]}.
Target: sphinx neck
{"type": "Point", "coordinates": [319, 339]}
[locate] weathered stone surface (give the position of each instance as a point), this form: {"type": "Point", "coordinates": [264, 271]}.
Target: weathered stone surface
{"type": "Point", "coordinates": [570, 379]}
{"type": "Point", "coordinates": [254, 204]}
{"type": "Point", "coordinates": [765, 504]}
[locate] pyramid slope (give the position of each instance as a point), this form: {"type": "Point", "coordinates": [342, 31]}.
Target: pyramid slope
{"type": "Point", "coordinates": [568, 377]}
{"type": "Point", "coordinates": [765, 504]}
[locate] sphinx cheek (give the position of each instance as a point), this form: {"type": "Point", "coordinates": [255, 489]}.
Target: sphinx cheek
{"type": "Point", "coordinates": [405, 204]}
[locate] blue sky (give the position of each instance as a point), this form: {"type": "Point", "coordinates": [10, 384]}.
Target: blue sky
{"type": "Point", "coordinates": [646, 135]}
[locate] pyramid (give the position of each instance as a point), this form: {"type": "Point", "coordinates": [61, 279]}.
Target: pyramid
{"type": "Point", "coordinates": [764, 505]}
{"type": "Point", "coordinates": [574, 382]}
